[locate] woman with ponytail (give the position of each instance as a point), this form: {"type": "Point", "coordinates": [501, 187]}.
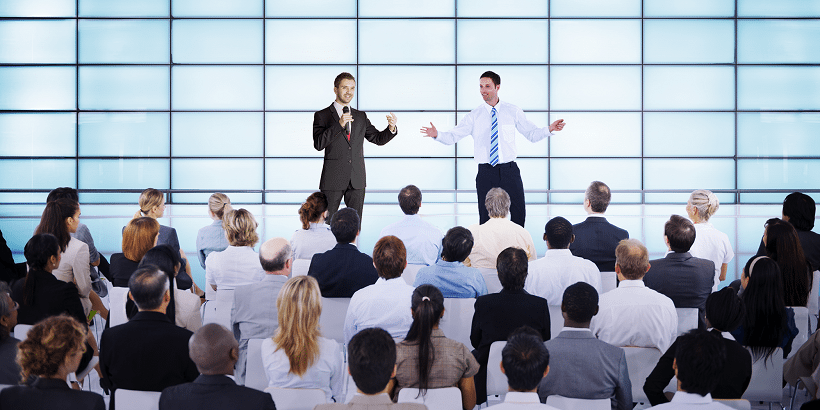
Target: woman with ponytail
{"type": "Point", "coordinates": [315, 236]}
{"type": "Point", "coordinates": [710, 243]}
{"type": "Point", "coordinates": [212, 237]}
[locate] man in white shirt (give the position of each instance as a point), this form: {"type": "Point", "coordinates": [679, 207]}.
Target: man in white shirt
{"type": "Point", "coordinates": [497, 234]}
{"type": "Point", "coordinates": [493, 126]}
{"type": "Point", "coordinates": [525, 361]}
{"type": "Point", "coordinates": [422, 239]}
{"type": "Point", "coordinates": [632, 314]}
{"type": "Point", "coordinates": [549, 276]}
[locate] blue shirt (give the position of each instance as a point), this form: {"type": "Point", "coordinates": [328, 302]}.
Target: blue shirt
{"type": "Point", "coordinates": [453, 279]}
{"type": "Point", "coordinates": [422, 239]}
{"type": "Point", "coordinates": [210, 239]}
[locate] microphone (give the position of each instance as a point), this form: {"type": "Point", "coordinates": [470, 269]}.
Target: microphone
{"type": "Point", "coordinates": [346, 110]}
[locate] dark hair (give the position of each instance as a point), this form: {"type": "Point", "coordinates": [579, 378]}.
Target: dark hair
{"type": "Point", "coordinates": [342, 76]}
{"type": "Point", "coordinates": [492, 76]}
{"type": "Point", "coordinates": [166, 259]}
{"type": "Point", "coordinates": [580, 302]}
{"type": "Point", "coordinates": [313, 208]}
{"type": "Point", "coordinates": [389, 257]}
{"type": "Point", "coordinates": [783, 245]}
{"type": "Point", "coordinates": [525, 359]}
{"type": "Point", "coordinates": [725, 310]}
{"type": "Point", "coordinates": [148, 285]}
{"type": "Point", "coordinates": [700, 358]}
{"type": "Point", "coordinates": [427, 305]}
{"type": "Point", "coordinates": [64, 192]}
{"type": "Point", "coordinates": [38, 250]}
{"type": "Point", "coordinates": [680, 232]}
{"type": "Point", "coordinates": [5, 309]}
{"type": "Point", "coordinates": [765, 323]}
{"type": "Point", "coordinates": [457, 244]}
{"type": "Point", "coordinates": [800, 209]}
{"type": "Point", "coordinates": [410, 200]}
{"type": "Point", "coordinates": [512, 268]}
{"type": "Point", "coordinates": [53, 220]}
{"type": "Point", "coordinates": [371, 358]}
{"type": "Point", "coordinates": [345, 225]}
{"type": "Point", "coordinates": [599, 195]}
{"type": "Point", "coordinates": [558, 233]}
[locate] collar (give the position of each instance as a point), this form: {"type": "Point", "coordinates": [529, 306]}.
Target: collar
{"type": "Point", "coordinates": [596, 215]}
{"type": "Point", "coordinates": [43, 383]}
{"type": "Point", "coordinates": [317, 225]}
{"type": "Point", "coordinates": [437, 333]}
{"type": "Point", "coordinates": [575, 329]}
{"type": "Point", "coordinates": [515, 292]}
{"type": "Point", "coordinates": [412, 217]}
{"type": "Point", "coordinates": [274, 278]}
{"type": "Point", "coordinates": [391, 282]}
{"type": "Point", "coordinates": [215, 379]}
{"type": "Point", "coordinates": [448, 264]}
{"type": "Point", "coordinates": [217, 222]}
{"type": "Point", "coordinates": [677, 255]}
{"type": "Point", "coordinates": [691, 398]}
{"type": "Point", "coordinates": [350, 246]}
{"type": "Point", "coordinates": [558, 252]}
{"type": "Point", "coordinates": [381, 398]}
{"type": "Point", "coordinates": [521, 397]}
{"type": "Point", "coordinates": [489, 107]}
{"type": "Point", "coordinates": [151, 317]}
{"type": "Point", "coordinates": [631, 284]}
{"type": "Point", "coordinates": [339, 107]}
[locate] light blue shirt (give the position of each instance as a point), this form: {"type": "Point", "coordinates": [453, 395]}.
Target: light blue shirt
{"type": "Point", "coordinates": [210, 239]}
{"type": "Point", "coordinates": [453, 279]}
{"type": "Point", "coordinates": [422, 239]}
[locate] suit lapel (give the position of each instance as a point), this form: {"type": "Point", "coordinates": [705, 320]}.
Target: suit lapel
{"type": "Point", "coordinates": [335, 117]}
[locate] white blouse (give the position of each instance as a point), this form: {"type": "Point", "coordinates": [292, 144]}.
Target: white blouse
{"type": "Point", "coordinates": [75, 268]}
{"type": "Point", "coordinates": [326, 372]}
{"type": "Point", "coordinates": [235, 266]}
{"type": "Point", "coordinates": [714, 245]}
{"type": "Point", "coordinates": [307, 242]}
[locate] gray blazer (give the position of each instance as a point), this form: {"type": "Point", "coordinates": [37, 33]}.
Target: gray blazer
{"type": "Point", "coordinates": [685, 279]}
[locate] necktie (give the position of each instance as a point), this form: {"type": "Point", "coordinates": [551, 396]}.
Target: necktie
{"type": "Point", "coordinates": [494, 140]}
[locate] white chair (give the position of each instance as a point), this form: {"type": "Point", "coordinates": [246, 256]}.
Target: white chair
{"type": "Point", "coordinates": [448, 398]}
{"type": "Point", "coordinates": [136, 400]}
{"type": "Point", "coordinates": [491, 279]}
{"type": "Point", "coordinates": [640, 361]}
{"type": "Point", "coordinates": [687, 319]}
{"type": "Point", "coordinates": [255, 376]}
{"type": "Point", "coordinates": [801, 320]}
{"type": "Point", "coordinates": [332, 320]}
{"type": "Point", "coordinates": [814, 301]}
{"type": "Point", "coordinates": [737, 404]}
{"type": "Point", "coordinates": [21, 331]}
{"type": "Point", "coordinates": [219, 311]}
{"type": "Point", "coordinates": [556, 320]}
{"type": "Point", "coordinates": [567, 403]}
{"type": "Point", "coordinates": [296, 399]}
{"type": "Point", "coordinates": [496, 381]}
{"type": "Point", "coordinates": [3, 386]}
{"type": "Point", "coordinates": [609, 281]}
{"type": "Point", "coordinates": [458, 319]}
{"type": "Point", "coordinates": [767, 378]}
{"type": "Point", "coordinates": [117, 297]}
{"type": "Point", "coordinates": [300, 267]}
{"type": "Point", "coordinates": [409, 274]}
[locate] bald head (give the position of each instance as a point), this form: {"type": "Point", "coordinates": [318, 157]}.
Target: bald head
{"type": "Point", "coordinates": [274, 255]}
{"type": "Point", "coordinates": [631, 259]}
{"type": "Point", "coordinates": [213, 349]}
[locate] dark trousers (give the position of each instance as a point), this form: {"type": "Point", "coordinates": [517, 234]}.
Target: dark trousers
{"type": "Point", "coordinates": [506, 176]}
{"type": "Point", "coordinates": [354, 198]}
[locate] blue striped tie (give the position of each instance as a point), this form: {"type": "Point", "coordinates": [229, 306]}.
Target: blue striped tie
{"type": "Point", "coordinates": [494, 140]}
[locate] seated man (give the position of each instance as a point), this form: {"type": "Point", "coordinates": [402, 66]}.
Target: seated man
{"type": "Point", "coordinates": [632, 314]}
{"type": "Point", "coordinates": [550, 275]}
{"type": "Point", "coordinates": [371, 359]}
{"type": "Point", "coordinates": [422, 239]}
{"type": "Point", "coordinates": [596, 238]}
{"type": "Point", "coordinates": [449, 274]}
{"type": "Point", "coordinates": [582, 366]}
{"type": "Point", "coordinates": [497, 234]}
{"type": "Point", "coordinates": [343, 270]}
{"type": "Point", "coordinates": [525, 361]}
{"type": "Point", "coordinates": [9, 369]}
{"type": "Point", "coordinates": [215, 351]}
{"type": "Point", "coordinates": [386, 303]}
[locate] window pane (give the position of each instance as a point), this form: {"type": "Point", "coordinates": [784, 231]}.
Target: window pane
{"type": "Point", "coordinates": [791, 174]}
{"type": "Point", "coordinates": [306, 41]}
{"type": "Point", "coordinates": [37, 88]}
{"type": "Point", "coordinates": [37, 8]}
{"type": "Point", "coordinates": [689, 88]}
{"type": "Point", "coordinates": [778, 88]}
{"type": "Point", "coordinates": [782, 8]}
{"type": "Point", "coordinates": [688, 8]}
{"type": "Point", "coordinates": [311, 8]}
{"type": "Point", "coordinates": [524, 86]}
{"type": "Point", "coordinates": [406, 8]}
{"type": "Point", "coordinates": [505, 45]}
{"type": "Point", "coordinates": [406, 41]}
{"type": "Point", "coordinates": [307, 88]}
{"type": "Point", "coordinates": [578, 173]}
{"type": "Point", "coordinates": [37, 41]}
{"type": "Point", "coordinates": [222, 174]}
{"type": "Point", "coordinates": [141, 134]}
{"type": "Point", "coordinates": [778, 41]}
{"type": "Point", "coordinates": [597, 135]}
{"type": "Point", "coordinates": [291, 174]}
{"type": "Point", "coordinates": [221, 134]}
{"type": "Point", "coordinates": [214, 8]}
{"type": "Point", "coordinates": [595, 41]}
{"type": "Point", "coordinates": [35, 174]}
{"type": "Point", "coordinates": [394, 174]}
{"type": "Point", "coordinates": [119, 174]}
{"type": "Point", "coordinates": [377, 88]}
{"type": "Point", "coordinates": [289, 134]}
{"type": "Point", "coordinates": [408, 143]}
{"type": "Point", "coordinates": [37, 135]}
{"type": "Point", "coordinates": [123, 8]}
{"type": "Point", "coordinates": [496, 9]}
{"type": "Point", "coordinates": [217, 88]}
{"type": "Point", "coordinates": [217, 41]}
{"type": "Point", "coordinates": [534, 174]}
{"type": "Point", "coordinates": [689, 41]}
{"type": "Point", "coordinates": [705, 134]}
{"type": "Point", "coordinates": [778, 134]}
{"type": "Point", "coordinates": [595, 8]}
{"type": "Point", "coordinates": [595, 88]}
{"type": "Point", "coordinates": [124, 88]}
{"type": "Point", "coordinates": [688, 174]}
{"type": "Point", "coordinates": [124, 41]}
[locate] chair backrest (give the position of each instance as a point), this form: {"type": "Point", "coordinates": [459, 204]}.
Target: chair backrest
{"type": "Point", "coordinates": [687, 319]}
{"type": "Point", "coordinates": [21, 331]}
{"type": "Point", "coordinates": [738, 404]}
{"type": "Point", "coordinates": [296, 399]}
{"type": "Point", "coordinates": [136, 400]}
{"type": "Point", "coordinates": [556, 320]}
{"type": "Point", "coordinates": [300, 267]}
{"type": "Point", "coordinates": [220, 312]}
{"type": "Point", "coordinates": [567, 403]}
{"type": "Point", "coordinates": [767, 379]}
{"type": "Point", "coordinates": [3, 386]}
{"type": "Point", "coordinates": [640, 361]}
{"type": "Point", "coordinates": [458, 318]}
{"type": "Point", "coordinates": [332, 320]}
{"type": "Point", "coordinates": [814, 301]}
{"type": "Point", "coordinates": [496, 381]}
{"type": "Point", "coordinates": [409, 274]}
{"type": "Point", "coordinates": [116, 305]}
{"type": "Point", "coordinates": [448, 398]}
{"type": "Point", "coordinates": [255, 376]}
{"type": "Point", "coordinates": [609, 281]}
{"type": "Point", "coordinates": [801, 320]}
{"type": "Point", "coordinates": [491, 279]}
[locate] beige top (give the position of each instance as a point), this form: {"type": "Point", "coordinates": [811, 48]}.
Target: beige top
{"type": "Point", "coordinates": [452, 362]}
{"type": "Point", "coordinates": [75, 268]}
{"type": "Point", "coordinates": [187, 310]}
{"type": "Point", "coordinates": [492, 237]}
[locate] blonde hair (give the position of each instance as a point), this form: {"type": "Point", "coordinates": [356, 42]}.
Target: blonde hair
{"type": "Point", "coordinates": [299, 306]}
{"type": "Point", "coordinates": [149, 199]}
{"type": "Point", "coordinates": [138, 237]}
{"type": "Point", "coordinates": [705, 202]}
{"type": "Point", "coordinates": [240, 226]}
{"type": "Point", "coordinates": [219, 204]}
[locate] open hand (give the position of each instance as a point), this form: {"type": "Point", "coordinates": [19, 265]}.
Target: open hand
{"type": "Point", "coordinates": [557, 125]}
{"type": "Point", "coordinates": [430, 132]}
{"type": "Point", "coordinates": [391, 122]}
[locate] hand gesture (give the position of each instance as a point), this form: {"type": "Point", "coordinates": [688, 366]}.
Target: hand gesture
{"type": "Point", "coordinates": [557, 125]}
{"type": "Point", "coordinates": [345, 118]}
{"type": "Point", "coordinates": [391, 122]}
{"type": "Point", "coordinates": [430, 132]}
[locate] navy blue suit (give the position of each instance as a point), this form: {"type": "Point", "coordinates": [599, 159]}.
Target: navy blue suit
{"type": "Point", "coordinates": [215, 392]}
{"type": "Point", "coordinates": [342, 271]}
{"type": "Point", "coordinates": [596, 240]}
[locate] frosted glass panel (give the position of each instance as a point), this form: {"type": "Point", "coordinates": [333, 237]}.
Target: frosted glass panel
{"type": "Point", "coordinates": [124, 134]}
{"type": "Point", "coordinates": [37, 41]}
{"type": "Point", "coordinates": [406, 41]}
{"type": "Point", "coordinates": [524, 86]}
{"type": "Point", "coordinates": [37, 88]}
{"type": "Point", "coordinates": [595, 41]}
{"type": "Point", "coordinates": [595, 88]}
{"type": "Point", "coordinates": [217, 88]}
{"type": "Point", "coordinates": [37, 8]}
{"type": "Point", "coordinates": [394, 174]}
{"type": "Point", "coordinates": [792, 174]}
{"type": "Point", "coordinates": [124, 88]}
{"type": "Point", "coordinates": [597, 135]}
{"type": "Point", "coordinates": [117, 174]}
{"type": "Point", "coordinates": [782, 8]}
{"type": "Point", "coordinates": [535, 176]}
{"type": "Point", "coordinates": [293, 174]}
{"type": "Point", "coordinates": [498, 9]}
{"type": "Point", "coordinates": [306, 41]}
{"type": "Point", "coordinates": [217, 41]}
{"type": "Point", "coordinates": [406, 8]}
{"type": "Point", "coordinates": [578, 173]}
{"type": "Point", "coordinates": [778, 134]}
{"type": "Point", "coordinates": [393, 88]}
{"type": "Point", "coordinates": [696, 134]}
{"type": "Point", "coordinates": [214, 8]}
{"type": "Point", "coordinates": [236, 134]}
{"type": "Point", "coordinates": [689, 174]}
{"type": "Point", "coordinates": [689, 41]}
{"type": "Point", "coordinates": [504, 45]}
{"type": "Point", "coordinates": [290, 134]}
{"type": "Point", "coordinates": [124, 8]}
{"type": "Point", "coordinates": [688, 8]}
{"type": "Point", "coordinates": [778, 88]}
{"type": "Point", "coordinates": [311, 8]}
{"type": "Point", "coordinates": [306, 88]}
{"type": "Point", "coordinates": [37, 135]}
{"type": "Point", "coordinates": [689, 88]}
{"type": "Point", "coordinates": [124, 41]}
{"type": "Point", "coordinates": [409, 143]}
{"type": "Point", "coordinates": [222, 174]}
{"type": "Point", "coordinates": [595, 8]}
{"type": "Point", "coordinates": [34, 174]}
{"type": "Point", "coordinates": [778, 41]}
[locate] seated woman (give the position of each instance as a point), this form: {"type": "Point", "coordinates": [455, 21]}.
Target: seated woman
{"type": "Point", "coordinates": [428, 360]}
{"type": "Point", "coordinates": [9, 369]}
{"type": "Point", "coordinates": [53, 349]}
{"type": "Point", "coordinates": [211, 238]}
{"type": "Point", "coordinates": [238, 264]}
{"type": "Point", "coordinates": [315, 236]}
{"type": "Point", "coordinates": [783, 246]}
{"type": "Point", "coordinates": [296, 356]}
{"type": "Point", "coordinates": [138, 237]}
{"type": "Point", "coordinates": [184, 307]}
{"type": "Point", "coordinates": [710, 243]}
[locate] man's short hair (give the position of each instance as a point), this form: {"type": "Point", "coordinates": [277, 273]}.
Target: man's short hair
{"type": "Point", "coordinates": [210, 348]}
{"type": "Point", "coordinates": [492, 76]}
{"type": "Point", "coordinates": [497, 203]}
{"type": "Point", "coordinates": [410, 200]}
{"type": "Point", "coordinates": [633, 259]}
{"type": "Point", "coordinates": [800, 209]}
{"type": "Point", "coordinates": [371, 357]}
{"type": "Point", "coordinates": [525, 359]}
{"type": "Point", "coordinates": [680, 232]}
{"type": "Point", "coordinates": [580, 302]}
{"type": "Point", "coordinates": [345, 225]}
{"type": "Point", "coordinates": [276, 262]}
{"type": "Point", "coordinates": [512, 268]}
{"type": "Point", "coordinates": [558, 233]}
{"type": "Point", "coordinates": [700, 358]}
{"type": "Point", "coordinates": [342, 76]}
{"type": "Point", "coordinates": [148, 286]}
{"type": "Point", "coordinates": [599, 195]}
{"type": "Point", "coordinates": [457, 244]}
{"type": "Point", "coordinates": [63, 192]}
{"type": "Point", "coordinates": [389, 257]}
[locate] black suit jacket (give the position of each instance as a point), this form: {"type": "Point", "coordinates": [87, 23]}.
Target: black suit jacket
{"type": "Point", "coordinates": [685, 279]}
{"type": "Point", "coordinates": [344, 160]}
{"type": "Point", "coordinates": [596, 240]}
{"type": "Point", "coordinates": [809, 241]}
{"type": "Point", "coordinates": [9, 270]}
{"type": "Point", "coordinates": [214, 392]}
{"type": "Point", "coordinates": [49, 394]}
{"type": "Point", "coordinates": [342, 271]}
{"type": "Point", "coordinates": [51, 297]}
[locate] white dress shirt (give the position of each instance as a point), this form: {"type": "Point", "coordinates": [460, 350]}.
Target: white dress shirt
{"type": "Point", "coordinates": [634, 315]}
{"type": "Point", "coordinates": [75, 268]}
{"type": "Point", "coordinates": [478, 124]}
{"type": "Point", "coordinates": [714, 245]}
{"type": "Point", "coordinates": [307, 242]}
{"type": "Point", "coordinates": [422, 239]}
{"type": "Point", "coordinates": [326, 373]}
{"type": "Point", "coordinates": [515, 400]}
{"type": "Point", "coordinates": [550, 276]}
{"type": "Point", "coordinates": [492, 237]}
{"type": "Point", "coordinates": [691, 401]}
{"type": "Point", "coordinates": [384, 304]}
{"type": "Point", "coordinates": [235, 266]}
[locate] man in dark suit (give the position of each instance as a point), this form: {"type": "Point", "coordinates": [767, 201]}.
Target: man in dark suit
{"type": "Point", "coordinates": [596, 238]}
{"type": "Point", "coordinates": [343, 270]}
{"type": "Point", "coordinates": [341, 131]}
{"type": "Point", "coordinates": [685, 279]}
{"type": "Point", "coordinates": [215, 352]}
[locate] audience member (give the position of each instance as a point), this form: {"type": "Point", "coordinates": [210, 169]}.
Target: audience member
{"type": "Point", "coordinates": [710, 243]}
{"type": "Point", "coordinates": [497, 234]}
{"type": "Point", "coordinates": [315, 236]}
{"type": "Point", "coordinates": [386, 303]}
{"type": "Point", "coordinates": [596, 238]}
{"type": "Point", "coordinates": [549, 276]}
{"type": "Point", "coordinates": [799, 210]}
{"type": "Point", "coordinates": [183, 309]}
{"type": "Point", "coordinates": [238, 264]}
{"type": "Point", "coordinates": [525, 361]}
{"type": "Point", "coordinates": [632, 314]}
{"type": "Point", "coordinates": [449, 274]}
{"type": "Point", "coordinates": [83, 234]}
{"type": "Point", "coordinates": [783, 246]}
{"type": "Point", "coordinates": [9, 270]}
{"type": "Point", "coordinates": [582, 366]}
{"type": "Point", "coordinates": [422, 239]}
{"type": "Point", "coordinates": [804, 362]}
{"type": "Point", "coordinates": [426, 359]}
{"type": "Point", "coordinates": [138, 236]}
{"type": "Point", "coordinates": [343, 270]}
{"type": "Point", "coordinates": [152, 205]}
{"type": "Point", "coordinates": [498, 314]}
{"type": "Point", "coordinates": [297, 357]}
{"type": "Point", "coordinates": [9, 369]}
{"type": "Point", "coordinates": [214, 351]}
{"type": "Point", "coordinates": [212, 238]}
